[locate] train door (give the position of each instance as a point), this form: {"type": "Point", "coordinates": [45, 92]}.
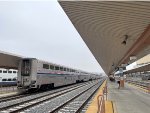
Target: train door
{"type": "Point", "coordinates": [25, 72]}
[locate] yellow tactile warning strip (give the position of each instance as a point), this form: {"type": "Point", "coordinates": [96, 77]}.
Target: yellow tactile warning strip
{"type": "Point", "coordinates": [114, 107]}
{"type": "Point", "coordinates": [138, 87]}
{"type": "Point", "coordinates": [109, 107]}
{"type": "Point", "coordinates": [93, 107]}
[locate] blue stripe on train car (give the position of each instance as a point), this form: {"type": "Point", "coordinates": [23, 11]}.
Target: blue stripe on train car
{"type": "Point", "coordinates": [8, 83]}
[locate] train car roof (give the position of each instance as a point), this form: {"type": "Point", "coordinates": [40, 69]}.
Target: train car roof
{"type": "Point", "coordinates": [11, 61]}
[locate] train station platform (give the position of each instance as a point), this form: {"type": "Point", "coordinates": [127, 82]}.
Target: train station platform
{"type": "Point", "coordinates": [8, 91]}
{"type": "Point", "coordinates": [99, 103]}
{"type": "Point", "coordinates": [129, 99]}
{"type": "Point", "coordinates": [7, 94]}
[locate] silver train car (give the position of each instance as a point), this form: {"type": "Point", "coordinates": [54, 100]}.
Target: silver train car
{"type": "Point", "coordinates": [37, 74]}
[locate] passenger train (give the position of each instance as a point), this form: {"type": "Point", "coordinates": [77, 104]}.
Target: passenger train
{"type": "Point", "coordinates": [8, 77]}
{"type": "Point", "coordinates": [38, 74]}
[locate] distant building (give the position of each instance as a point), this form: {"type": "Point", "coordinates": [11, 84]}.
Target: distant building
{"type": "Point", "coordinates": [143, 61]}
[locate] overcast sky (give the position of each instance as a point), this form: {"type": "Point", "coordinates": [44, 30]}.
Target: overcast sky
{"type": "Point", "coordinates": [42, 30]}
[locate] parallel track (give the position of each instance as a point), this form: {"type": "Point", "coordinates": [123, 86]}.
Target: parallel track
{"type": "Point", "coordinates": [20, 106]}
{"type": "Point", "coordinates": [70, 102]}
{"type": "Point", "coordinates": [7, 98]}
{"type": "Point", "coordinates": [76, 104]}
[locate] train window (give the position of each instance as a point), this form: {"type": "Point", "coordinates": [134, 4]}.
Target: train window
{"type": "Point", "coordinates": [45, 66]}
{"type": "Point", "coordinates": [56, 68]}
{"type": "Point", "coordinates": [4, 79]}
{"type": "Point", "coordinates": [9, 71]}
{"type": "Point", "coordinates": [68, 69]}
{"type": "Point", "coordinates": [9, 79]}
{"type": "Point", "coordinates": [52, 67]}
{"type": "Point", "coordinates": [14, 79]}
{"type": "Point", "coordinates": [64, 69]}
{"type": "Point", "coordinates": [14, 72]}
{"type": "Point", "coordinates": [0, 71]}
{"type": "Point", "coordinates": [4, 71]}
{"type": "Point", "coordinates": [61, 68]}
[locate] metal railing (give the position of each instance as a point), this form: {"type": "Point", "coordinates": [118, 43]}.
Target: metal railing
{"type": "Point", "coordinates": [101, 104]}
{"type": "Point", "coordinates": [101, 100]}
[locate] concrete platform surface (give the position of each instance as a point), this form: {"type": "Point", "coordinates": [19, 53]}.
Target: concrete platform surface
{"type": "Point", "coordinates": [128, 99]}
{"type": "Point", "coordinates": [8, 94]}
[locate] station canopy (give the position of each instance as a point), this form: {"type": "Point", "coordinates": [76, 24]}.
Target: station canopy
{"type": "Point", "coordinates": [139, 69]}
{"type": "Point", "coordinates": [114, 31]}
{"type": "Point", "coordinates": [9, 61]}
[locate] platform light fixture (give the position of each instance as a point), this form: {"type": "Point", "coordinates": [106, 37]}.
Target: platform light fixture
{"type": "Point", "coordinates": [124, 42]}
{"type": "Point", "coordinates": [113, 64]}
{"type": "Point", "coordinates": [133, 57]}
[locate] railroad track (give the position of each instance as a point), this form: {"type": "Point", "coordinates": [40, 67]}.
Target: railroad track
{"type": "Point", "coordinates": [7, 98]}
{"type": "Point", "coordinates": [85, 107]}
{"type": "Point", "coordinates": [77, 103]}
{"type": "Point", "coordinates": [24, 103]}
{"type": "Point", "coordinates": [144, 85]}
{"type": "Point", "coordinates": [70, 102]}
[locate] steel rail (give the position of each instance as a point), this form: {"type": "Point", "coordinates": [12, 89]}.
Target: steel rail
{"type": "Point", "coordinates": [33, 104]}
{"type": "Point", "coordinates": [71, 100]}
